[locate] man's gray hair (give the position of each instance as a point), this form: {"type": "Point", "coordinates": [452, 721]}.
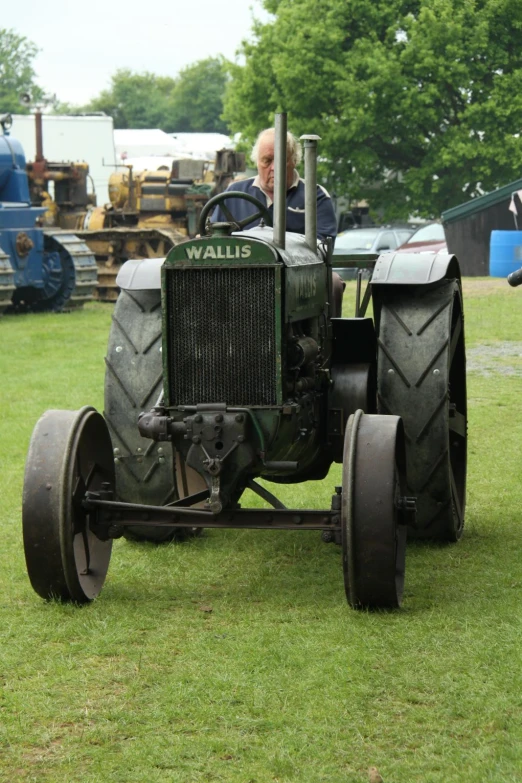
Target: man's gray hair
{"type": "Point", "coordinates": [293, 148]}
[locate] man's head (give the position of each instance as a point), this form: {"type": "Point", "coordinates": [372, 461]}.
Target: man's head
{"type": "Point", "coordinates": [263, 157]}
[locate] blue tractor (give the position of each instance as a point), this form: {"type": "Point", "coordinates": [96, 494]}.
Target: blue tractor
{"type": "Point", "coordinates": [40, 269]}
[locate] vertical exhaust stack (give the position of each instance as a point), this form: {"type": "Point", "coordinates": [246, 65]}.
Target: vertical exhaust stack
{"type": "Point", "coordinates": [39, 135]}
{"type": "Point", "coordinates": [280, 144]}
{"type": "Point", "coordinates": [310, 172]}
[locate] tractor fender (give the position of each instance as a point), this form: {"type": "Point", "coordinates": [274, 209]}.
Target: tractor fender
{"type": "Point", "coordinates": [140, 274]}
{"type": "Point", "coordinates": [414, 268]}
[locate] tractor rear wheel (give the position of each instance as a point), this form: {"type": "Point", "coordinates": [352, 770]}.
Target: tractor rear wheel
{"type": "Point", "coordinates": [373, 529]}
{"type": "Point", "coordinates": [421, 376]}
{"type": "Point", "coordinates": [147, 471]}
{"type": "Point", "coordinates": [70, 454]}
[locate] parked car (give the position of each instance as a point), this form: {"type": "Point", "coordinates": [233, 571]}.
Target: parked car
{"type": "Point", "coordinates": [427, 239]}
{"type": "Point", "coordinates": [376, 239]}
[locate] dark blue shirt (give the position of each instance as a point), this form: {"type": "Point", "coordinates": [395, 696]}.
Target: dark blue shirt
{"type": "Point", "coordinates": [295, 204]}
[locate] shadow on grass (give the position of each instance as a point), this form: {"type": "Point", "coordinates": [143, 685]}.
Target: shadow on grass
{"type": "Point", "coordinates": [231, 567]}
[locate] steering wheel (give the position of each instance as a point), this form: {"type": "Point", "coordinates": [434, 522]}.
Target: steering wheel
{"type": "Point", "coordinates": [221, 197]}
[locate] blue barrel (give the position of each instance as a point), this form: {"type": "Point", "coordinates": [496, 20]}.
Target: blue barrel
{"type": "Point", "coordinates": [505, 252]}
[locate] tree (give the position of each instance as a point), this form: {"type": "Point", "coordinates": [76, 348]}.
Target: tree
{"type": "Point", "coordinates": [198, 97]}
{"type": "Point", "coordinates": [17, 74]}
{"type": "Point", "coordinates": [417, 101]}
{"type": "Point", "coordinates": [136, 100]}
{"type": "Point", "coordinates": [191, 102]}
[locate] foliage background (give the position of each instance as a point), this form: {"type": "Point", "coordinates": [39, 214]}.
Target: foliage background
{"type": "Point", "coordinates": [191, 102]}
{"type": "Point", "coordinates": [17, 74]}
{"type": "Point", "coordinates": [416, 101]}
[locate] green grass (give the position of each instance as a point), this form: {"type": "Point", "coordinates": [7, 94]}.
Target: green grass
{"type": "Point", "coordinates": [281, 681]}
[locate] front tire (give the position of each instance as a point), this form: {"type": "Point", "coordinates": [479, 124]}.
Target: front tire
{"type": "Point", "coordinates": [69, 454]}
{"type": "Point", "coordinates": [373, 531]}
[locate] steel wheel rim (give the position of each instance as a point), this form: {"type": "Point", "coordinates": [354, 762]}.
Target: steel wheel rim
{"type": "Point", "coordinates": [374, 549]}
{"type": "Point", "coordinates": [52, 514]}
{"type": "Point", "coordinates": [86, 557]}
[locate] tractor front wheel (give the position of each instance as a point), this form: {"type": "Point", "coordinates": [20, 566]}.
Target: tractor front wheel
{"type": "Point", "coordinates": [373, 530]}
{"type": "Point", "coordinates": [70, 454]}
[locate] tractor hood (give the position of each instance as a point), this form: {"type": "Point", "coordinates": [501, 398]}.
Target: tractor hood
{"type": "Point", "coordinates": [255, 246]}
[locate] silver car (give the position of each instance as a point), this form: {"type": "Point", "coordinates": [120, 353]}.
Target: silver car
{"type": "Point", "coordinates": [368, 240]}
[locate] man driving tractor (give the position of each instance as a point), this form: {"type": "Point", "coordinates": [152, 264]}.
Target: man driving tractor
{"type": "Point", "coordinates": [262, 188]}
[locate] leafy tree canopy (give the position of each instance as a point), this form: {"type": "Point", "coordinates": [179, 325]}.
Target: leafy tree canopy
{"type": "Point", "coordinates": [191, 102]}
{"type": "Point", "coordinates": [418, 102]}
{"type": "Point", "coordinates": [198, 97]}
{"type": "Point", "coordinates": [17, 75]}
{"type": "Point", "coordinates": [136, 100]}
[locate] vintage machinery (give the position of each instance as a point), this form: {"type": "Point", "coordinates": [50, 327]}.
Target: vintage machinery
{"type": "Point", "coordinates": [39, 269]}
{"type": "Point", "coordinates": [148, 212]}
{"type": "Point", "coordinates": [236, 371]}
{"type": "Point", "coordinates": [71, 196]}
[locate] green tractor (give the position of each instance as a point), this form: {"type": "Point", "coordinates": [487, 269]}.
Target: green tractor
{"type": "Point", "coordinates": [225, 365]}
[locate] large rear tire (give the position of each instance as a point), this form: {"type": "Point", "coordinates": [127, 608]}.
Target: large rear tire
{"type": "Point", "coordinates": [421, 376]}
{"type": "Point", "coordinates": [147, 471]}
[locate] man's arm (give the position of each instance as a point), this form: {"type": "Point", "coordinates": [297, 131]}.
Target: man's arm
{"type": "Point", "coordinates": [326, 220]}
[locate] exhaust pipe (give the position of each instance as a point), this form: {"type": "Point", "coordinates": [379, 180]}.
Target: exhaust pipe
{"type": "Point", "coordinates": [280, 144]}
{"type": "Point", "coordinates": [39, 135]}
{"type": "Point", "coordinates": [310, 172]}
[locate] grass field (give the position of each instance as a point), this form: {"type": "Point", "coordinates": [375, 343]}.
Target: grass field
{"type": "Point", "coordinates": [235, 657]}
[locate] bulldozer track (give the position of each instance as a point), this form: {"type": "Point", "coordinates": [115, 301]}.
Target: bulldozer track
{"type": "Point", "coordinates": [80, 286]}
{"type": "Point", "coordinates": [7, 282]}
{"type": "Point", "coordinates": [421, 377]}
{"type": "Point", "coordinates": [111, 247]}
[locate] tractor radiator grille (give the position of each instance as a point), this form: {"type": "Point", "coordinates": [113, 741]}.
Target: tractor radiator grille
{"type": "Point", "coordinates": [221, 336]}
